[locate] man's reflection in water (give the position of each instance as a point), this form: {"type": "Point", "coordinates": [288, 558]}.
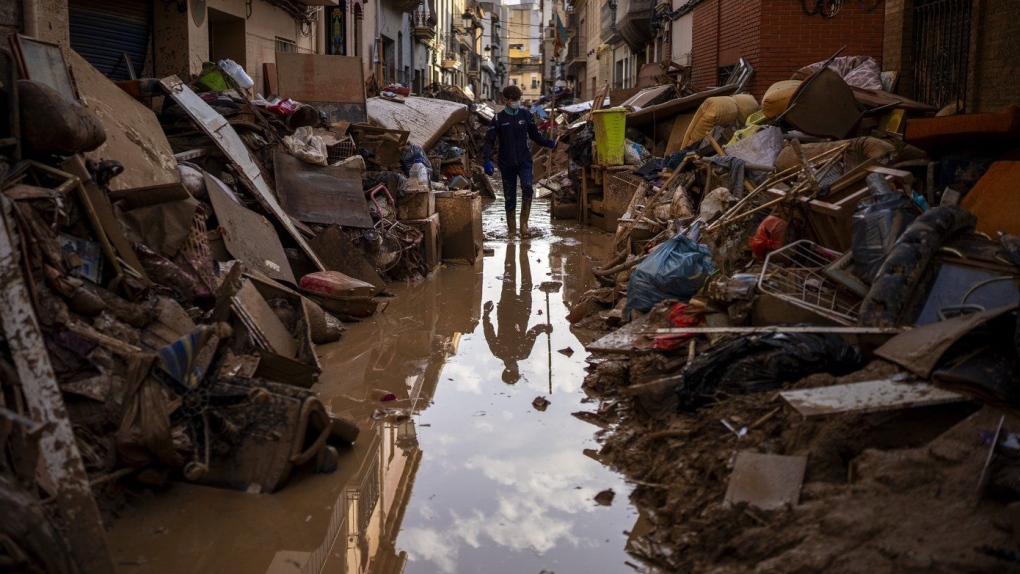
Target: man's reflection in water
{"type": "Point", "coordinates": [514, 341]}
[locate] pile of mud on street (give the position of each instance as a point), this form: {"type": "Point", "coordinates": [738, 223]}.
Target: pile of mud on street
{"type": "Point", "coordinates": [171, 252]}
{"type": "Point", "coordinates": [808, 332]}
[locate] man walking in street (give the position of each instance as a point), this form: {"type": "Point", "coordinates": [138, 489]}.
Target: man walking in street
{"type": "Point", "coordinates": [512, 127]}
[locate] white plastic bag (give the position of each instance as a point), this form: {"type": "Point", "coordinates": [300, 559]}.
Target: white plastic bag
{"type": "Point", "coordinates": [306, 146]}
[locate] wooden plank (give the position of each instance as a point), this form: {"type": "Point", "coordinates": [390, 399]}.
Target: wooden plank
{"type": "Point", "coordinates": [316, 194]}
{"type": "Point", "coordinates": [321, 78]}
{"type": "Point", "coordinates": [251, 305]}
{"type": "Point", "coordinates": [57, 444]}
{"type": "Point", "coordinates": [867, 397]}
{"type": "Point", "coordinates": [248, 236]}
{"type": "Point", "coordinates": [633, 338]}
{"type": "Point", "coordinates": [133, 133]}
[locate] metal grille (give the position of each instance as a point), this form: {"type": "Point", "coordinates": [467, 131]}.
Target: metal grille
{"type": "Point", "coordinates": [369, 495]}
{"type": "Point", "coordinates": [941, 51]}
{"type": "Point", "coordinates": [341, 151]}
{"type": "Point", "coordinates": [799, 274]}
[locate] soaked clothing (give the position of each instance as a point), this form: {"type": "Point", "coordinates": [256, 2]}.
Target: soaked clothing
{"type": "Point", "coordinates": [512, 131]}
{"type": "Point", "coordinates": [513, 341]}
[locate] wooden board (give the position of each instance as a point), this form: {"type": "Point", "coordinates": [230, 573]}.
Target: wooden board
{"type": "Point", "coordinates": [316, 194]}
{"type": "Point", "coordinates": [133, 134]}
{"type": "Point", "coordinates": [994, 199]}
{"type": "Point", "coordinates": [248, 236]}
{"type": "Point", "coordinates": [866, 397]}
{"type": "Point", "coordinates": [766, 481]}
{"type": "Point", "coordinates": [320, 78]}
{"type": "Point", "coordinates": [265, 323]}
{"type": "Point", "coordinates": [426, 119]}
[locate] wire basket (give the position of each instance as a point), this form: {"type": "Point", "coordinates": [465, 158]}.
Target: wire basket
{"type": "Point", "coordinates": [341, 151]}
{"type": "Point", "coordinates": [798, 273]}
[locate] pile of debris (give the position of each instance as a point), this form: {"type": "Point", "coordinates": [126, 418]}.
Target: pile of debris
{"type": "Point", "coordinates": [783, 271]}
{"type": "Point", "coordinates": [171, 254]}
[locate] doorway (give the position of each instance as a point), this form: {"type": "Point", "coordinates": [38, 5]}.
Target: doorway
{"type": "Point", "coordinates": [226, 38]}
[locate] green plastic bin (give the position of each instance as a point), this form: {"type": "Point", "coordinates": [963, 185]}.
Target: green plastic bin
{"type": "Point", "coordinates": [610, 126]}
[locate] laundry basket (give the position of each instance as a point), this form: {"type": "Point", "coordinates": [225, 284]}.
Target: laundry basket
{"type": "Point", "coordinates": [610, 126]}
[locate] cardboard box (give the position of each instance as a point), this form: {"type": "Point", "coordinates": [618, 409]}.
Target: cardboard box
{"type": "Point", "coordinates": [432, 242]}
{"type": "Point", "coordinates": [460, 217]}
{"type": "Point", "coordinates": [416, 205]}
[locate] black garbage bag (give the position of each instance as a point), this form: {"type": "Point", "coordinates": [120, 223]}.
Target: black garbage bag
{"type": "Point", "coordinates": [580, 148]}
{"type": "Point", "coordinates": [877, 223]}
{"type": "Point", "coordinates": [412, 154]}
{"type": "Point", "coordinates": [756, 363]}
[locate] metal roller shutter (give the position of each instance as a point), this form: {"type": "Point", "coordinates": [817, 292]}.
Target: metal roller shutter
{"type": "Point", "coordinates": [102, 32]}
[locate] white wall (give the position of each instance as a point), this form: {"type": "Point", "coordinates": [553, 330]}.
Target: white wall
{"type": "Point", "coordinates": [682, 38]}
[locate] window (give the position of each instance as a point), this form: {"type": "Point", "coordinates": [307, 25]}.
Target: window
{"type": "Point", "coordinates": [285, 45]}
{"type": "Point", "coordinates": [514, 81]}
{"type": "Point", "coordinates": [517, 47]}
{"type": "Point", "coordinates": [724, 74]}
{"type": "Point", "coordinates": [534, 84]}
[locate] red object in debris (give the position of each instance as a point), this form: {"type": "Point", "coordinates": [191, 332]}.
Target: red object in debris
{"type": "Point", "coordinates": [284, 107]}
{"type": "Point", "coordinates": [670, 342]}
{"type": "Point", "coordinates": [678, 316]}
{"type": "Point", "coordinates": [399, 90]}
{"type": "Point", "coordinates": [336, 284]}
{"type": "Point", "coordinates": [771, 235]}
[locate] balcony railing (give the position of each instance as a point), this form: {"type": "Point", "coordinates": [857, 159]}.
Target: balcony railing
{"type": "Point", "coordinates": [423, 25]}
{"type": "Point", "coordinates": [607, 25]}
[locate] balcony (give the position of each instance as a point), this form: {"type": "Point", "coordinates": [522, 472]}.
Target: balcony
{"type": "Point", "coordinates": [423, 26]}
{"type": "Point", "coordinates": [451, 63]}
{"type": "Point", "coordinates": [609, 33]}
{"type": "Point", "coordinates": [405, 5]}
{"type": "Point", "coordinates": [634, 22]}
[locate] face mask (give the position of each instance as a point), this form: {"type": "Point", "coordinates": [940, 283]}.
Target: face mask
{"type": "Point", "coordinates": [514, 105]}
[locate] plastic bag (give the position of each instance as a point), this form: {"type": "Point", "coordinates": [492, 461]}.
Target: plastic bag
{"type": "Point", "coordinates": [715, 203]}
{"type": "Point", "coordinates": [771, 235]}
{"type": "Point", "coordinates": [876, 224]}
{"type": "Point", "coordinates": [420, 173]}
{"type": "Point", "coordinates": [762, 362]}
{"type": "Point", "coordinates": [676, 269]}
{"type": "Point", "coordinates": [634, 153]}
{"type": "Point", "coordinates": [413, 154]}
{"type": "Point", "coordinates": [306, 146]}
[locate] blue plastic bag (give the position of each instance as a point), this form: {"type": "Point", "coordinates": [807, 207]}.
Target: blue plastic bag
{"type": "Point", "coordinates": [677, 269]}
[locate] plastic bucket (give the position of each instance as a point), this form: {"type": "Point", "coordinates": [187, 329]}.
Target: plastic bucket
{"type": "Point", "coordinates": [610, 126]}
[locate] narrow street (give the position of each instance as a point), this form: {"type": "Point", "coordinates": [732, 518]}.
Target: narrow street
{"type": "Point", "coordinates": [476, 480]}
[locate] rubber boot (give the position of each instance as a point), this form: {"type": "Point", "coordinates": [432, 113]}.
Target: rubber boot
{"type": "Point", "coordinates": [511, 225]}
{"type": "Point", "coordinates": [525, 213]}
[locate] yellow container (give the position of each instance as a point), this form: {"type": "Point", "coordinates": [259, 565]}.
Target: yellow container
{"type": "Point", "coordinates": [610, 126]}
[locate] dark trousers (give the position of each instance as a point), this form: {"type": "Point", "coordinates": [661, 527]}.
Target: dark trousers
{"type": "Point", "coordinates": [510, 177]}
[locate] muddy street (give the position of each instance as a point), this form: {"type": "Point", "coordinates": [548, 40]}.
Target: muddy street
{"type": "Point", "coordinates": [458, 472]}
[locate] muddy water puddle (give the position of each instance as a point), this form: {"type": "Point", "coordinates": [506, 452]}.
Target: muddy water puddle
{"type": "Point", "coordinates": [460, 473]}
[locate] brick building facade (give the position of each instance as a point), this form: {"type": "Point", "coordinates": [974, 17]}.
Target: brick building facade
{"type": "Point", "coordinates": [992, 67]}
{"type": "Point", "coordinates": [777, 38]}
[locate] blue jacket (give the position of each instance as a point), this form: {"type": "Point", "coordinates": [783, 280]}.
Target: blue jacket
{"type": "Point", "coordinates": [512, 131]}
